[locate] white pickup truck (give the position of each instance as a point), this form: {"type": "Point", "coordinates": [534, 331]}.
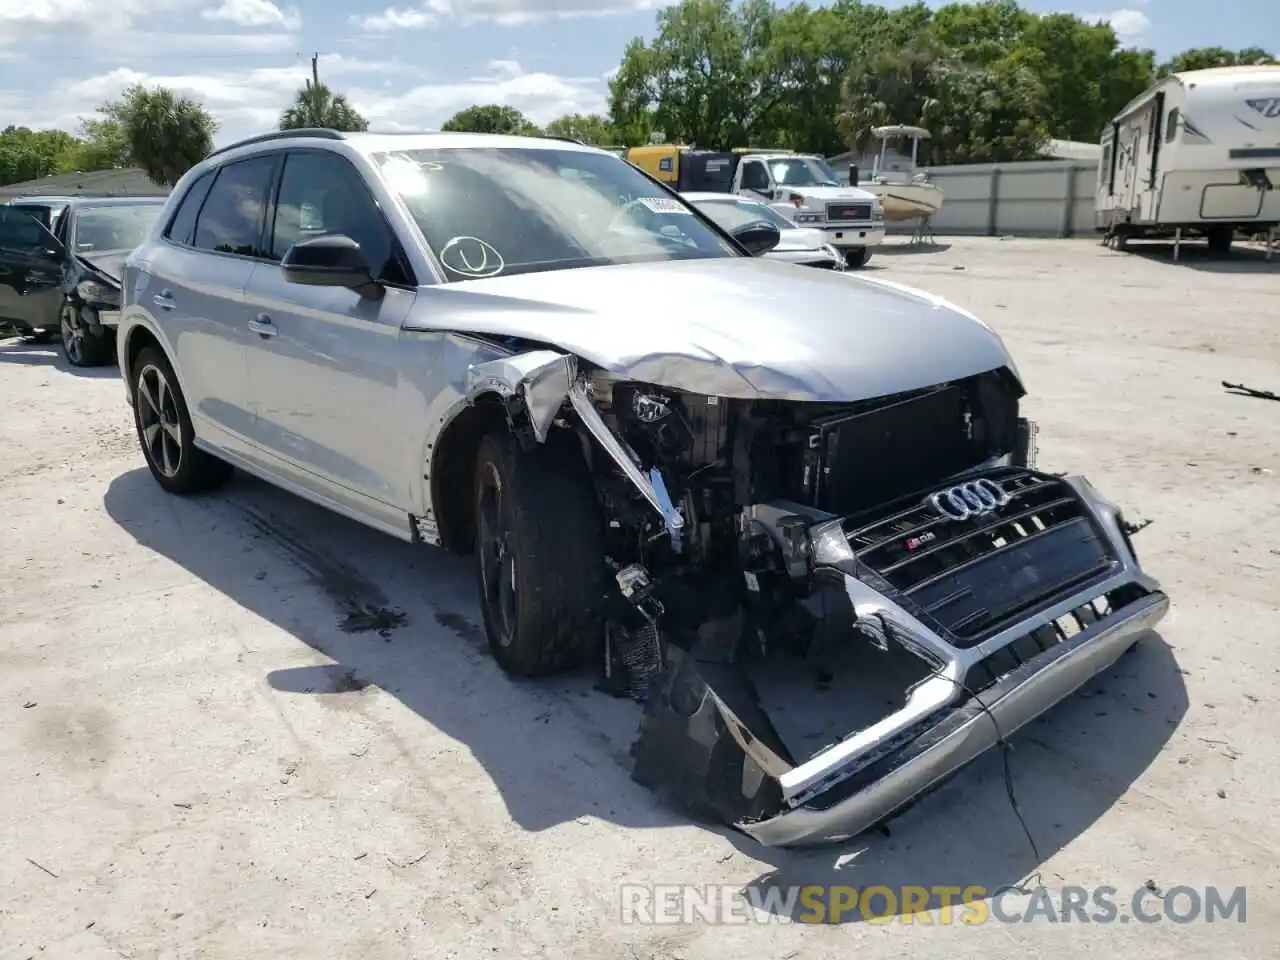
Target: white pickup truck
{"type": "Point", "coordinates": [810, 193]}
{"type": "Point", "coordinates": [801, 186]}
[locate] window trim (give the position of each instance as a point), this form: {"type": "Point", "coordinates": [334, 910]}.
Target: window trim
{"type": "Point", "coordinates": [167, 232]}
{"type": "Point", "coordinates": [397, 242]}
{"type": "Point", "coordinates": [272, 155]}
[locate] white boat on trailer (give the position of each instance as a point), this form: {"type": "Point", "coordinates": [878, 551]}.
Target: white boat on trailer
{"type": "Point", "coordinates": [1195, 155]}
{"type": "Point", "coordinates": [905, 191]}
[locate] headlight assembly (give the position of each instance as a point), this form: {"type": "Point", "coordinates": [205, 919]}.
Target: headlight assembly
{"type": "Point", "coordinates": [92, 291]}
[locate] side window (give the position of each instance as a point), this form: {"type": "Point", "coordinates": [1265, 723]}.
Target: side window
{"type": "Point", "coordinates": [231, 219]}
{"type": "Point", "coordinates": [1104, 168]}
{"type": "Point", "coordinates": [1171, 127]}
{"type": "Point", "coordinates": [21, 232]}
{"type": "Point", "coordinates": [754, 177]}
{"type": "Point", "coordinates": [182, 226]}
{"type": "Point", "coordinates": [322, 193]}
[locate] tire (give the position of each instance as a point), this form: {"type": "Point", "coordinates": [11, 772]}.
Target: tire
{"type": "Point", "coordinates": [80, 345]}
{"type": "Point", "coordinates": [856, 257]}
{"type": "Point", "coordinates": [539, 555]}
{"type": "Point", "coordinates": [1220, 241]}
{"type": "Point", "coordinates": [165, 432]}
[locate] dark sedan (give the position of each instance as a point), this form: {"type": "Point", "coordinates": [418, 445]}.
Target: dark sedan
{"type": "Point", "coordinates": [61, 278]}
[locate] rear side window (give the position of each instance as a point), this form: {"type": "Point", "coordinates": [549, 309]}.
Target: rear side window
{"type": "Point", "coordinates": [182, 226]}
{"type": "Point", "coordinates": [39, 211]}
{"type": "Point", "coordinates": [231, 219]}
{"type": "Point", "coordinates": [1171, 127]}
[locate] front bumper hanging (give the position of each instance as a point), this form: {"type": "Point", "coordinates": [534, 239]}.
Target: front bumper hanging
{"type": "Point", "coordinates": [706, 739]}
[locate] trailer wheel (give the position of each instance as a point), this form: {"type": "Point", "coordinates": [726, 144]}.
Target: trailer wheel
{"type": "Point", "coordinates": [1220, 241]}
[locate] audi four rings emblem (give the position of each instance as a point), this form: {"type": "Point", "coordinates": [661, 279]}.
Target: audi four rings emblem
{"type": "Point", "coordinates": [969, 500]}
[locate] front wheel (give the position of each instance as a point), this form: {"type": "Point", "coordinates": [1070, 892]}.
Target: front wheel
{"type": "Point", "coordinates": [80, 344]}
{"type": "Point", "coordinates": [856, 257]}
{"type": "Point", "coordinates": [165, 432]}
{"type": "Point", "coordinates": [540, 554]}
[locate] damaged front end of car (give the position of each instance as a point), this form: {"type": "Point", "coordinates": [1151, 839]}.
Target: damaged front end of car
{"type": "Point", "coordinates": [910, 536]}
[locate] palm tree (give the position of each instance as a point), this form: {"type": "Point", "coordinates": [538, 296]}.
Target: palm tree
{"type": "Point", "coordinates": [318, 106]}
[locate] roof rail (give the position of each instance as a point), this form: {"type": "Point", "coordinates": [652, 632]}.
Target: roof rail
{"type": "Point", "coordinates": [314, 133]}
{"type": "Point", "coordinates": [548, 136]}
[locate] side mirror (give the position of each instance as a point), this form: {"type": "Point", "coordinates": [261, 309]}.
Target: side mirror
{"type": "Point", "coordinates": [759, 237]}
{"type": "Point", "coordinates": [333, 260]}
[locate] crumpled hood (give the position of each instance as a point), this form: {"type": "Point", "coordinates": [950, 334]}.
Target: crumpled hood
{"type": "Point", "coordinates": [110, 263]}
{"type": "Point", "coordinates": [732, 327]}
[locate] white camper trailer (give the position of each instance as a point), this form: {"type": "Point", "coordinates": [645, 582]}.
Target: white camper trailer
{"type": "Point", "coordinates": [1197, 154]}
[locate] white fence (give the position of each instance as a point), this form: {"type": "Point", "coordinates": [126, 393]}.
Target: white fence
{"type": "Point", "coordinates": [1049, 198]}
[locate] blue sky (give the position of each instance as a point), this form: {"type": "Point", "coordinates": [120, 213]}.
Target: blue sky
{"type": "Point", "coordinates": [412, 66]}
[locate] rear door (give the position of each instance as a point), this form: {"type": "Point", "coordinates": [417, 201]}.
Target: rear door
{"type": "Point", "coordinates": [194, 287]}
{"type": "Point", "coordinates": [325, 361]}
{"type": "Point", "coordinates": [30, 271]}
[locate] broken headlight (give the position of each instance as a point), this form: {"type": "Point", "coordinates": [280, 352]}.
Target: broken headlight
{"type": "Point", "coordinates": [96, 292]}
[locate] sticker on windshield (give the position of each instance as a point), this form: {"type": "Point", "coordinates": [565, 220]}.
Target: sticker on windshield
{"type": "Point", "coordinates": [663, 205]}
{"type": "Point", "coordinates": [471, 257]}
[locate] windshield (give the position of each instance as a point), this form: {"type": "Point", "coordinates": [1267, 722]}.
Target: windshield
{"type": "Point", "coordinates": [729, 215]}
{"type": "Point", "coordinates": [490, 212]}
{"type": "Point", "coordinates": [803, 172]}
{"type": "Point", "coordinates": [114, 227]}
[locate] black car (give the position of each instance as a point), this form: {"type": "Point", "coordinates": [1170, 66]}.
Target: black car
{"type": "Point", "coordinates": [60, 267]}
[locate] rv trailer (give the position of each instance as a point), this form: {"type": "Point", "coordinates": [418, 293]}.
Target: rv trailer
{"type": "Point", "coordinates": [1195, 155]}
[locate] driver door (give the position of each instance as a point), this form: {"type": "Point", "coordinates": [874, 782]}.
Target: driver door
{"type": "Point", "coordinates": [30, 272]}
{"type": "Point", "coordinates": [324, 361]}
{"type": "Point", "coordinates": [756, 182]}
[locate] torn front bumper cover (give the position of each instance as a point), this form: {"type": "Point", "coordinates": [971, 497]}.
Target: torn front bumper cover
{"type": "Point", "coordinates": [706, 740]}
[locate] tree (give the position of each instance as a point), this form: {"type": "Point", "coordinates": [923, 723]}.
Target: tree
{"type": "Point", "coordinates": [491, 118]}
{"type": "Point", "coordinates": [318, 106]}
{"type": "Point", "coordinates": [30, 154]}
{"type": "Point", "coordinates": [1204, 58]}
{"type": "Point", "coordinates": [167, 134]}
{"type": "Point", "coordinates": [589, 128]}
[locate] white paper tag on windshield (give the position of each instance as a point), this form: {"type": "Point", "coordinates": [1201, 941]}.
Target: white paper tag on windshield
{"type": "Point", "coordinates": [664, 205]}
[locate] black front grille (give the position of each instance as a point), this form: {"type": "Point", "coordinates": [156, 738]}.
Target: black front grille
{"type": "Point", "coordinates": [848, 211]}
{"type": "Point", "coordinates": [969, 578]}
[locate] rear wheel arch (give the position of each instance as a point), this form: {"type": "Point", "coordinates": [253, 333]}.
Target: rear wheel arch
{"type": "Point", "coordinates": [137, 340]}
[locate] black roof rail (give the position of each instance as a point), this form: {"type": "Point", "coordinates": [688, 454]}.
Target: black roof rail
{"type": "Point", "coordinates": [313, 133]}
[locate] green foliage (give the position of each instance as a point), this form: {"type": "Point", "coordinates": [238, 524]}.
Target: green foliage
{"type": "Point", "coordinates": [491, 118]}
{"type": "Point", "coordinates": [30, 154]}
{"type": "Point", "coordinates": [991, 80]}
{"type": "Point", "coordinates": [1204, 58]}
{"type": "Point", "coordinates": [318, 106]}
{"type": "Point", "coordinates": [167, 134]}
{"type": "Point", "coordinates": [589, 128]}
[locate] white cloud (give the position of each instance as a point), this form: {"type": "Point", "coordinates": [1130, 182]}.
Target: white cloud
{"type": "Point", "coordinates": [1129, 23]}
{"type": "Point", "coordinates": [24, 20]}
{"type": "Point", "coordinates": [246, 102]}
{"type": "Point", "coordinates": [255, 13]}
{"type": "Point", "coordinates": [505, 13]}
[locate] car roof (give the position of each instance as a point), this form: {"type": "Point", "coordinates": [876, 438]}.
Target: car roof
{"type": "Point", "coordinates": [387, 142]}
{"type": "Point", "coordinates": [694, 195]}
{"type": "Point", "coordinates": [115, 201]}
{"type": "Point", "coordinates": [15, 201]}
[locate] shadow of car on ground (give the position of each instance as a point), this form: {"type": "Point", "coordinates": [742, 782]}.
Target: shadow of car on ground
{"type": "Point", "coordinates": [29, 353]}
{"type": "Point", "coordinates": [405, 619]}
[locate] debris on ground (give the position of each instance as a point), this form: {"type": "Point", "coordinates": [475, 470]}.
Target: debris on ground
{"type": "Point", "coordinates": [1241, 390]}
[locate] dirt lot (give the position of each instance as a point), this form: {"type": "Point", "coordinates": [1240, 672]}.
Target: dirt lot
{"type": "Point", "coordinates": [239, 727]}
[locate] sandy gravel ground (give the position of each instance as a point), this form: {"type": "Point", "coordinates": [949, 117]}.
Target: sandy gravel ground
{"type": "Point", "coordinates": [209, 748]}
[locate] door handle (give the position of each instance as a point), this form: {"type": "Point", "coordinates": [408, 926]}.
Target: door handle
{"type": "Point", "coordinates": [163, 300]}
{"type": "Point", "coordinates": [263, 326]}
